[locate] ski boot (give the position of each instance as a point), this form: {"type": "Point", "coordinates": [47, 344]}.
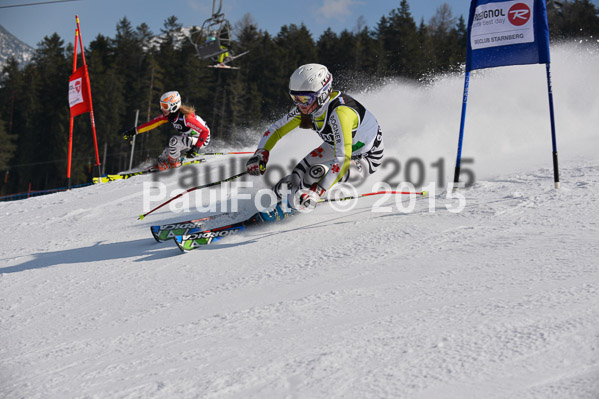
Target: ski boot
{"type": "Point", "coordinates": [168, 163]}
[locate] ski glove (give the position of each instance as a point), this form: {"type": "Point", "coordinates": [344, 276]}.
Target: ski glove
{"type": "Point", "coordinates": [128, 135]}
{"type": "Point", "coordinates": [256, 165]}
{"type": "Point", "coordinates": [309, 199]}
{"type": "Point", "coordinates": [193, 152]}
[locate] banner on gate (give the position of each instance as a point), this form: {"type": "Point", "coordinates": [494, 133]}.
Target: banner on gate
{"type": "Point", "coordinates": [79, 92]}
{"type": "Point", "coordinates": [507, 32]}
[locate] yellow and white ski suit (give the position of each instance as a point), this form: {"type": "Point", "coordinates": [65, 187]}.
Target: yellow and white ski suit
{"type": "Point", "coordinates": [348, 130]}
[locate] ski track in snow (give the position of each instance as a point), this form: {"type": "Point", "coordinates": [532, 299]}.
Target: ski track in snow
{"type": "Point", "coordinates": [498, 301]}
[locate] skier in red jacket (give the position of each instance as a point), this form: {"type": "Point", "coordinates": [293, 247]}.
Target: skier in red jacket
{"type": "Point", "coordinates": [194, 131]}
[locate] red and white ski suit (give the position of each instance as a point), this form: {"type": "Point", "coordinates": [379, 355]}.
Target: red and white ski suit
{"type": "Point", "coordinates": [194, 132]}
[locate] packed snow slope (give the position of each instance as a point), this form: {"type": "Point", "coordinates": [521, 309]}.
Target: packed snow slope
{"type": "Point", "coordinates": [500, 300]}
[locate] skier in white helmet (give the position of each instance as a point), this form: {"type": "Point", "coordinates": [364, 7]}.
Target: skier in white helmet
{"type": "Point", "coordinates": [348, 130]}
{"type": "Point", "coordinates": [194, 131]}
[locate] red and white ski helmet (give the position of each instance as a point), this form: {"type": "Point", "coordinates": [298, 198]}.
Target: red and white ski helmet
{"type": "Point", "coordinates": [170, 101]}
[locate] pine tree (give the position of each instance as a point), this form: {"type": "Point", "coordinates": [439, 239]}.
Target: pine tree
{"type": "Point", "coordinates": [573, 19]}
{"type": "Point", "coordinates": [14, 96]}
{"type": "Point", "coordinates": [365, 57]}
{"type": "Point", "coordinates": [249, 38]}
{"type": "Point", "coordinates": [8, 148]}
{"type": "Point", "coordinates": [7, 152]}
{"type": "Point", "coordinates": [382, 35]}
{"type": "Point", "coordinates": [427, 63]}
{"type": "Point", "coordinates": [296, 47]}
{"type": "Point", "coordinates": [444, 37]}
{"type": "Point", "coordinates": [11, 89]}
{"type": "Point", "coordinates": [110, 86]}
{"type": "Point", "coordinates": [401, 42]}
{"type": "Point", "coordinates": [49, 135]}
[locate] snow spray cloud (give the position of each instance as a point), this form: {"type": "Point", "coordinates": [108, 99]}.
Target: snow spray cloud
{"type": "Point", "coordinates": [507, 124]}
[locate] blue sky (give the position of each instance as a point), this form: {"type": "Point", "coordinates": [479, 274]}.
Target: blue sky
{"type": "Point", "coordinates": [30, 24]}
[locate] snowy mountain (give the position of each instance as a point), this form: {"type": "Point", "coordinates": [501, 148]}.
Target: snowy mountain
{"type": "Point", "coordinates": [178, 38]}
{"type": "Point", "coordinates": [498, 300]}
{"type": "Point", "coordinates": [10, 46]}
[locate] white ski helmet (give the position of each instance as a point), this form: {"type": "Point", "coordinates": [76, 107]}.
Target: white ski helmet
{"type": "Point", "coordinates": [310, 86]}
{"type": "Point", "coordinates": [170, 101]}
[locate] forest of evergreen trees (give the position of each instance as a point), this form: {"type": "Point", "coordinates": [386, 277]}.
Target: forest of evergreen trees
{"type": "Point", "coordinates": [127, 75]}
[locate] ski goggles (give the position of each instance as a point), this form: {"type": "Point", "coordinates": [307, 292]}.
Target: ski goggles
{"type": "Point", "coordinates": [303, 98]}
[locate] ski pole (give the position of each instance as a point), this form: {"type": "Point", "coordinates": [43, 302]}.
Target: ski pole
{"type": "Point", "coordinates": [226, 153]}
{"type": "Point", "coordinates": [422, 193]}
{"type": "Point", "coordinates": [193, 189]}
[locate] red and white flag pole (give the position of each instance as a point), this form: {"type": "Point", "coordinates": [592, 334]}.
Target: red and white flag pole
{"type": "Point", "coordinates": [80, 99]}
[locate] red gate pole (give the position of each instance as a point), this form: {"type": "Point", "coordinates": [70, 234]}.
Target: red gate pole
{"type": "Point", "coordinates": [91, 107]}
{"type": "Point", "coordinates": [71, 121]}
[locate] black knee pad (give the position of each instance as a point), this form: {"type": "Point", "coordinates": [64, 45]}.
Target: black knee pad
{"type": "Point", "coordinates": [283, 184]}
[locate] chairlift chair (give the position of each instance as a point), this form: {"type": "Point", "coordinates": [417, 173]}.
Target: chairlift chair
{"type": "Point", "coordinates": [216, 27]}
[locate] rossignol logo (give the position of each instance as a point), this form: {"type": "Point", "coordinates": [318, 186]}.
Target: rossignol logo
{"type": "Point", "coordinates": [488, 14]}
{"type": "Point", "coordinates": [75, 93]}
{"type": "Point", "coordinates": [519, 14]}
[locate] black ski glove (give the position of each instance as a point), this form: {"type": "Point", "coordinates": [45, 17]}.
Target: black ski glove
{"type": "Point", "coordinates": [128, 135]}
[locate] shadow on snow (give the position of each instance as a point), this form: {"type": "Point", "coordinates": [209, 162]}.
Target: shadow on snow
{"type": "Point", "coordinates": [143, 249]}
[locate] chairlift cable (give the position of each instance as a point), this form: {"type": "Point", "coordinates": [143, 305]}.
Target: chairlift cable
{"type": "Point", "coordinates": [39, 3]}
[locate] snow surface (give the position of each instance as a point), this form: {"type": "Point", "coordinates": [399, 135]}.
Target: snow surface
{"type": "Point", "coordinates": [500, 300]}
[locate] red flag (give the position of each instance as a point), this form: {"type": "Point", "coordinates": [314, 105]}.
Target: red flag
{"type": "Point", "coordinates": [79, 92]}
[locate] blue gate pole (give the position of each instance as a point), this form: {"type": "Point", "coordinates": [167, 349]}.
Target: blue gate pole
{"type": "Point", "coordinates": [458, 162]}
{"type": "Point", "coordinates": [553, 138]}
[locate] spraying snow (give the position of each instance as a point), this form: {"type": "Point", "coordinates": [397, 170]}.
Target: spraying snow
{"type": "Point", "coordinates": [507, 125]}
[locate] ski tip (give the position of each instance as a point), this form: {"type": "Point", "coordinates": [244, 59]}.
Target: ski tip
{"type": "Point", "coordinates": [179, 245]}
{"type": "Point", "coordinates": [425, 193]}
{"type": "Point", "coordinates": [140, 217]}
{"type": "Point", "coordinates": [154, 230]}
